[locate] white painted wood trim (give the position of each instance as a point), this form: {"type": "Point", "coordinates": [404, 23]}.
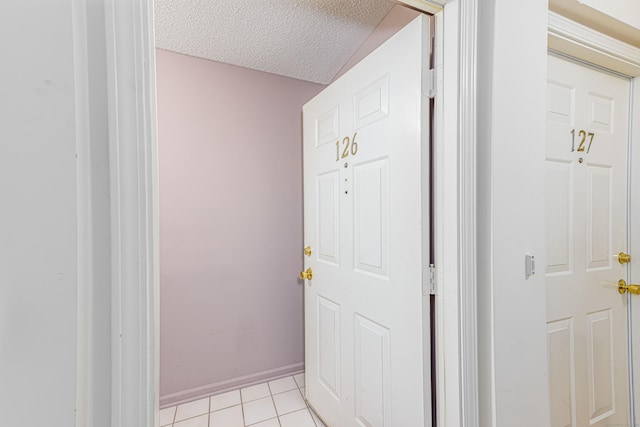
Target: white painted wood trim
{"type": "Point", "coordinates": [457, 347]}
{"type": "Point", "coordinates": [447, 234]}
{"type": "Point", "coordinates": [83, 212]}
{"type": "Point", "coordinates": [455, 228]}
{"type": "Point", "coordinates": [579, 41]}
{"type": "Point", "coordinates": [134, 210]}
{"type": "Point", "coordinates": [93, 382]}
{"type": "Point", "coordinates": [634, 242]}
{"type": "Point", "coordinates": [467, 134]}
{"type": "Point", "coordinates": [445, 165]}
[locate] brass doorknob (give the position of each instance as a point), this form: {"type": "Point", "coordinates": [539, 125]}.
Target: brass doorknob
{"type": "Point", "coordinates": [624, 258]}
{"type": "Point", "coordinates": [307, 274]}
{"type": "Point", "coordinates": [623, 288]}
{"type": "Point", "coordinates": [307, 250]}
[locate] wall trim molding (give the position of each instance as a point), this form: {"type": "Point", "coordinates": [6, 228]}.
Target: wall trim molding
{"type": "Point", "coordinates": [196, 393]}
{"type": "Point", "coordinates": [93, 382]}
{"type": "Point", "coordinates": [134, 212]}
{"type": "Point", "coordinates": [467, 208]}
{"type": "Point", "coordinates": [634, 239]}
{"type": "Point", "coordinates": [579, 41]}
{"type": "Point", "coordinates": [83, 210]}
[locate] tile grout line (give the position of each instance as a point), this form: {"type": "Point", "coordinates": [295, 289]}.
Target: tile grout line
{"type": "Point", "coordinates": [304, 399]}
{"type": "Point", "coordinates": [274, 402]}
{"type": "Point", "coordinates": [244, 422]}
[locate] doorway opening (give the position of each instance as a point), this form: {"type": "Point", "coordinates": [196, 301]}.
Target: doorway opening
{"type": "Point", "coordinates": [235, 191]}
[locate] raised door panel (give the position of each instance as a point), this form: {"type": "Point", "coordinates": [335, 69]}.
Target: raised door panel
{"type": "Point", "coordinates": [372, 374]}
{"type": "Point", "coordinates": [599, 215]}
{"type": "Point", "coordinates": [328, 217]}
{"type": "Point", "coordinates": [559, 217]}
{"type": "Point", "coordinates": [560, 341]}
{"type": "Point", "coordinates": [371, 103]}
{"type": "Point", "coordinates": [327, 126]}
{"type": "Point", "coordinates": [329, 346]}
{"type": "Point", "coordinates": [601, 365]}
{"type": "Point", "coordinates": [371, 200]}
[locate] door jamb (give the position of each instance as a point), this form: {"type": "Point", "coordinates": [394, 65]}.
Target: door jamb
{"type": "Point", "coordinates": [634, 211]}
{"type": "Point", "coordinates": [455, 188]}
{"type": "Point", "coordinates": [456, 258]}
{"type": "Point", "coordinates": [456, 207]}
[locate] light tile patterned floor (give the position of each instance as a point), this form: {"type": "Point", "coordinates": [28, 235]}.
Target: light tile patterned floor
{"type": "Point", "coordinates": [278, 403]}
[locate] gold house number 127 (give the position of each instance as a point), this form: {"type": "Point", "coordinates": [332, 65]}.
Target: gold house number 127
{"type": "Point", "coordinates": [348, 147]}
{"type": "Point", "coordinates": [582, 135]}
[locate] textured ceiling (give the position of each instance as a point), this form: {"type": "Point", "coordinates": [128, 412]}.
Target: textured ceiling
{"type": "Point", "coordinates": [304, 39]}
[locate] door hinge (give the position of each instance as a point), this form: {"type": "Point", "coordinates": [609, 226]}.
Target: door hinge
{"type": "Point", "coordinates": [429, 83]}
{"type": "Point", "coordinates": [429, 286]}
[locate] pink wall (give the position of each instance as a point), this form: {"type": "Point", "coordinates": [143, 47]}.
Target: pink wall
{"type": "Point", "coordinates": [230, 157]}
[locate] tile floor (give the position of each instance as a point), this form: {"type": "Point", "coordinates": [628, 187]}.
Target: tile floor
{"type": "Point", "coordinates": [278, 403]}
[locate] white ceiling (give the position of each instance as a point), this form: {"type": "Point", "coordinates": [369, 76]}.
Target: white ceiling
{"type": "Point", "coordinates": [305, 39]}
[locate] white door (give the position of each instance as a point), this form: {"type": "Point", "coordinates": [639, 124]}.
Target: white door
{"type": "Point", "coordinates": [366, 223]}
{"type": "Point", "coordinates": [586, 222]}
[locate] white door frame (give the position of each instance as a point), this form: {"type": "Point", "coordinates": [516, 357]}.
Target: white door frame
{"type": "Point", "coordinates": [455, 231]}
{"type": "Point", "coordinates": [130, 57]}
{"type": "Point", "coordinates": [634, 213]}
{"type": "Point", "coordinates": [578, 41]}
{"type": "Point", "coordinates": [134, 211]}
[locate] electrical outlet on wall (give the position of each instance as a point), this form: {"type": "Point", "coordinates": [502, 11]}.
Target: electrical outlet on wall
{"type": "Point", "coordinates": [529, 266]}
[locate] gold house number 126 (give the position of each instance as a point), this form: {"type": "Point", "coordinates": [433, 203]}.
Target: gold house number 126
{"type": "Point", "coordinates": [349, 146]}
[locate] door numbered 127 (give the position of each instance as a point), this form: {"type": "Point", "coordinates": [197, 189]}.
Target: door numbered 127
{"type": "Point", "coordinates": [582, 136]}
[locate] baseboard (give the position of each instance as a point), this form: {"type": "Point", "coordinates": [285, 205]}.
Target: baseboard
{"type": "Point", "coordinates": [228, 385]}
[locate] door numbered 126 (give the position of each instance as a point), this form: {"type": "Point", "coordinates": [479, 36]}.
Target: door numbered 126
{"type": "Point", "coordinates": [348, 147]}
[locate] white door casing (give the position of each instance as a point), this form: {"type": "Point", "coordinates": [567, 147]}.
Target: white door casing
{"type": "Point", "coordinates": [586, 222]}
{"type": "Point", "coordinates": [366, 341]}
{"type": "Point", "coordinates": [634, 243]}
{"type": "Point", "coordinates": [458, 174]}
{"type": "Point", "coordinates": [458, 124]}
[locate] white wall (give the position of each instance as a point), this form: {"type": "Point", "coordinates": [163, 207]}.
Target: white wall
{"type": "Point", "coordinates": [38, 281]}
{"type": "Point", "coordinates": [55, 287]}
{"type": "Point", "coordinates": [512, 321]}
{"type": "Point", "coordinates": [57, 296]}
